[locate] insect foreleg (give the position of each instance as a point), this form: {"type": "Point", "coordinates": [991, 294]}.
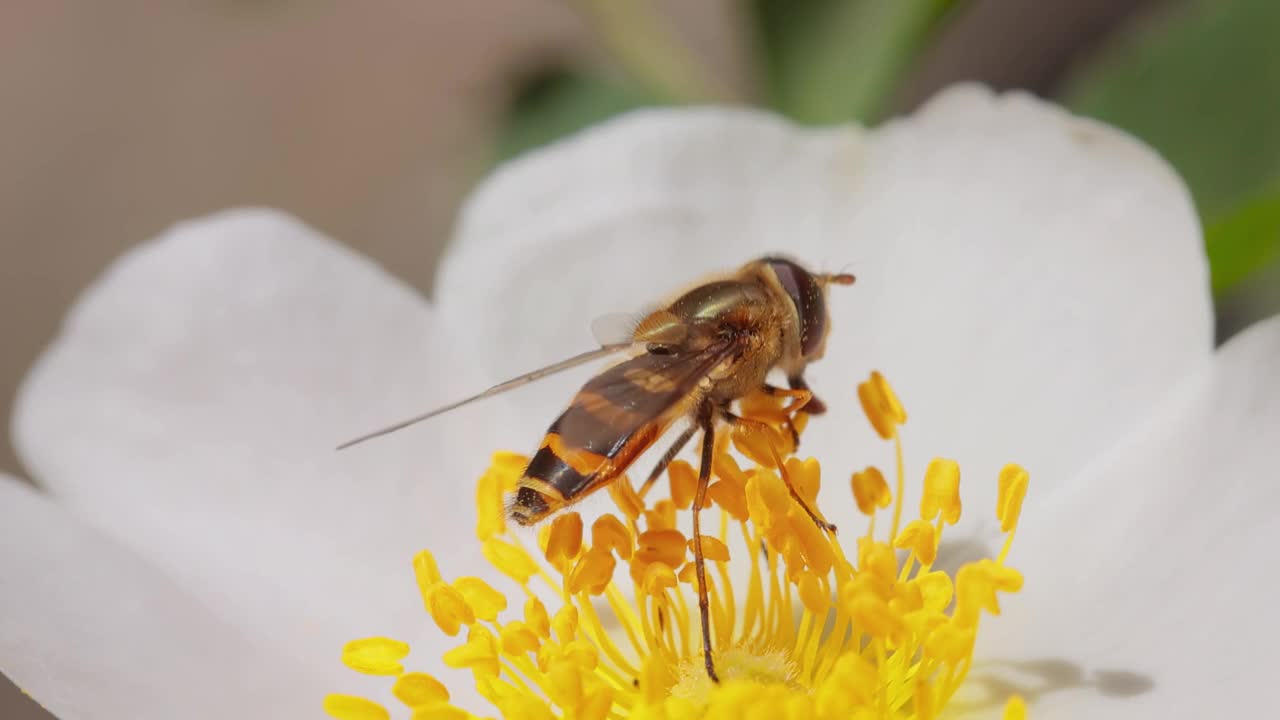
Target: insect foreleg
{"type": "Point", "coordinates": [802, 399]}
{"type": "Point", "coordinates": [782, 468]}
{"type": "Point", "coordinates": [814, 406]}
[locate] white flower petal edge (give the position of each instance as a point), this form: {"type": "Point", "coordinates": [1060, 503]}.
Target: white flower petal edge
{"type": "Point", "coordinates": [1150, 584]}
{"type": "Point", "coordinates": [613, 219]}
{"type": "Point", "coordinates": [93, 631]}
{"type": "Point", "coordinates": [191, 406]}
{"type": "Point", "coordinates": [1031, 282]}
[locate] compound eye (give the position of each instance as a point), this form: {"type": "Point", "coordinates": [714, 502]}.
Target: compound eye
{"type": "Point", "coordinates": [806, 295]}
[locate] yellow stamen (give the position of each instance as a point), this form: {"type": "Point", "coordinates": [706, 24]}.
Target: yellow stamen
{"type": "Point", "coordinates": [684, 482]}
{"type": "Point", "coordinates": [625, 497]}
{"type": "Point", "coordinates": [661, 546]}
{"type": "Point", "coordinates": [564, 541]}
{"type": "Point", "coordinates": [1013, 488]}
{"type": "Point", "coordinates": [712, 548]}
{"type": "Point", "coordinates": [510, 560]}
{"type": "Point", "coordinates": [518, 638]}
{"type": "Point", "coordinates": [731, 497]}
{"type": "Point", "coordinates": [881, 406]}
{"type": "Point", "coordinates": [608, 533]}
{"type": "Point", "coordinates": [918, 537]}
{"type": "Point", "coordinates": [375, 656]}
{"type": "Point", "coordinates": [490, 506]}
{"type": "Point", "coordinates": [418, 689]}
{"type": "Point", "coordinates": [814, 633]}
{"type": "Point", "coordinates": [425, 570]}
{"type": "Point", "coordinates": [348, 707]}
{"type": "Point", "coordinates": [1015, 709]}
{"type": "Point", "coordinates": [535, 616]}
{"type": "Point", "coordinates": [440, 711]}
{"type": "Point", "coordinates": [870, 491]}
{"type": "Point", "coordinates": [592, 573]}
{"type": "Point", "coordinates": [485, 602]}
{"type": "Point", "coordinates": [449, 608]}
{"type": "Point", "coordinates": [941, 491]}
{"type": "Point", "coordinates": [480, 653]}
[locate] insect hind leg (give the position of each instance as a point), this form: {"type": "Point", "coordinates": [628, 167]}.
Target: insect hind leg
{"type": "Point", "coordinates": [706, 420]}
{"type": "Point", "coordinates": [667, 457]}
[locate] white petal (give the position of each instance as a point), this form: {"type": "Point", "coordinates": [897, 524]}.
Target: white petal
{"type": "Point", "coordinates": [1031, 282]}
{"type": "Point", "coordinates": [622, 215]}
{"type": "Point", "coordinates": [192, 404]}
{"type": "Point", "coordinates": [91, 630]}
{"type": "Point", "coordinates": [1153, 577]}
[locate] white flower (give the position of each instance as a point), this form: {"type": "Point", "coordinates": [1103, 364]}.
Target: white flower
{"type": "Point", "coordinates": [1034, 284]}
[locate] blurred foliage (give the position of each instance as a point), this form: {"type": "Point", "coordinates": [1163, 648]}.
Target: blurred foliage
{"type": "Point", "coordinates": [1199, 81]}
{"type": "Point", "coordinates": [1202, 85]}
{"type": "Point", "coordinates": [648, 49]}
{"type": "Point", "coordinates": [1244, 240]}
{"type": "Point", "coordinates": [831, 61]}
{"type": "Point", "coordinates": [820, 61]}
{"type": "Point", "coordinates": [560, 102]}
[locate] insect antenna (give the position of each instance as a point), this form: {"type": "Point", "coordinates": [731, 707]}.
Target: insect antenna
{"type": "Point", "coordinates": [498, 389]}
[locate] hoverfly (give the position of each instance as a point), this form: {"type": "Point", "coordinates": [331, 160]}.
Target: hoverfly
{"type": "Point", "coordinates": [691, 359]}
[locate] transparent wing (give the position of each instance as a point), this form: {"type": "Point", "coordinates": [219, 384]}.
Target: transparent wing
{"type": "Point", "coordinates": [513, 383]}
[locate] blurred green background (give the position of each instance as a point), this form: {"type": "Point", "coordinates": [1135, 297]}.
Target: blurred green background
{"type": "Point", "coordinates": [371, 121]}
{"type": "Point", "coordinates": [1200, 81]}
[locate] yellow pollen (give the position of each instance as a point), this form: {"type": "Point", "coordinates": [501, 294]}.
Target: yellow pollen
{"type": "Point", "coordinates": [870, 491]}
{"type": "Point", "coordinates": [941, 491]}
{"type": "Point", "coordinates": [684, 482]}
{"type": "Point", "coordinates": [564, 541]}
{"type": "Point", "coordinates": [919, 537]}
{"type": "Point", "coordinates": [741, 665]}
{"type": "Point", "coordinates": [484, 601]}
{"type": "Point", "coordinates": [606, 623]}
{"type": "Point", "coordinates": [347, 707]}
{"type": "Point", "coordinates": [417, 690]}
{"type": "Point", "coordinates": [375, 656]}
{"type": "Point", "coordinates": [881, 406]}
{"type": "Point", "coordinates": [608, 533]}
{"type": "Point", "coordinates": [1015, 709]}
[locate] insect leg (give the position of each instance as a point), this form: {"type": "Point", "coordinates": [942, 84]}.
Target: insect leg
{"type": "Point", "coordinates": [667, 457]}
{"type": "Point", "coordinates": [814, 406]}
{"type": "Point", "coordinates": [782, 469]}
{"type": "Point", "coordinates": [802, 400]}
{"type": "Point", "coordinates": [706, 419]}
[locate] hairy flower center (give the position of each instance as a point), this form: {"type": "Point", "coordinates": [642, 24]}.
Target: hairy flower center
{"type": "Point", "coordinates": [800, 627]}
{"type": "Point", "coordinates": [761, 666]}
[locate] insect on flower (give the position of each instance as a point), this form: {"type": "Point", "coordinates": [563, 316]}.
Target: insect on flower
{"type": "Point", "coordinates": [691, 360]}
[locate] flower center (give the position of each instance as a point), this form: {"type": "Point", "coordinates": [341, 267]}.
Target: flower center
{"type": "Point", "coordinates": [799, 626]}
{"type": "Point", "coordinates": [762, 666]}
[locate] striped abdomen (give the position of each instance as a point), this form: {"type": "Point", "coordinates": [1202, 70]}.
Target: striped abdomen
{"type": "Point", "coordinates": [614, 418]}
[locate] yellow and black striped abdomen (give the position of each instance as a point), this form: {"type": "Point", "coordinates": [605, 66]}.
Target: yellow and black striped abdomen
{"type": "Point", "coordinates": [614, 418]}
